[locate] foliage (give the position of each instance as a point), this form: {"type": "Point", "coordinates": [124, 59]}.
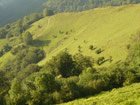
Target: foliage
{"type": "Point", "coordinates": [121, 96]}
{"type": "Point", "coordinates": [76, 78]}
{"type": "Point", "coordinates": [27, 38]}
{"type": "Point", "coordinates": [3, 33]}
{"type": "Point", "coordinates": [80, 5]}
{"type": "Point", "coordinates": [47, 12]}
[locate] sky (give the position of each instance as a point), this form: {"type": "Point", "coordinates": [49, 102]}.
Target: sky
{"type": "Point", "coordinates": [4, 2]}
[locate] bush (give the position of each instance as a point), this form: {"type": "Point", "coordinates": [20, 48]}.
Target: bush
{"type": "Point", "coordinates": [99, 51]}
{"type": "Point", "coordinates": [18, 48]}
{"type": "Point", "coordinates": [130, 77]}
{"type": "Point", "coordinates": [62, 64]}
{"type": "Point", "coordinates": [69, 91]}
{"type": "Point", "coordinates": [27, 38]}
{"type": "Point", "coordinates": [16, 94]}
{"type": "Point", "coordinates": [34, 55]}
{"type": "Point", "coordinates": [30, 69]}
{"type": "Point", "coordinates": [46, 83]}
{"type": "Point", "coordinates": [91, 47]}
{"type": "Point", "coordinates": [82, 62]}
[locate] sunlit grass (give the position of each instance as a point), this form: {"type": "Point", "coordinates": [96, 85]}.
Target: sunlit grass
{"type": "Point", "coordinates": [107, 28]}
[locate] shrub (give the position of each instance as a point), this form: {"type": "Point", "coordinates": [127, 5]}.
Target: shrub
{"type": "Point", "coordinates": [33, 55]}
{"type": "Point", "coordinates": [27, 38]}
{"type": "Point", "coordinates": [18, 48]}
{"type": "Point", "coordinates": [91, 47]}
{"type": "Point", "coordinates": [30, 69]}
{"type": "Point", "coordinates": [82, 62]}
{"type": "Point", "coordinates": [99, 51]}
{"type": "Point", "coordinates": [45, 83]}
{"type": "Point", "coordinates": [69, 91]}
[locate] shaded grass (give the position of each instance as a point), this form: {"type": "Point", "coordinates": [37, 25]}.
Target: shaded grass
{"type": "Point", "coordinates": [41, 43]}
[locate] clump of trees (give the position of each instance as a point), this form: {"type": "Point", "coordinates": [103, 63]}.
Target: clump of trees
{"type": "Point", "coordinates": [47, 12]}
{"type": "Point", "coordinates": [67, 77]}
{"type": "Point", "coordinates": [81, 5]}
{"type": "Point", "coordinates": [17, 28]}
{"type": "Point", "coordinates": [67, 65]}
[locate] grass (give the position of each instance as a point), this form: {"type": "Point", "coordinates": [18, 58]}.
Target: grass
{"type": "Point", "coordinates": [108, 28]}
{"type": "Point", "coordinates": [129, 95]}
{"type": "Point", "coordinates": [8, 56]}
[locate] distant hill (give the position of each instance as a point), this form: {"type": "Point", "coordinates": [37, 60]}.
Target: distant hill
{"type": "Point", "coordinates": [12, 10]}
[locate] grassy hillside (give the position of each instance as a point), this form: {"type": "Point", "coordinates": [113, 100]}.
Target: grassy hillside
{"type": "Point", "coordinates": [105, 34]}
{"type": "Point", "coordinates": [12, 10]}
{"type": "Point", "coordinates": [108, 28]}
{"type": "Point", "coordinates": [129, 95]}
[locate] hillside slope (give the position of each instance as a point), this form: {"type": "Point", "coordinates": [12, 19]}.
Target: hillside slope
{"type": "Point", "coordinates": [129, 95]}
{"type": "Point", "coordinates": [107, 28]}
{"type": "Point", "coordinates": [12, 10]}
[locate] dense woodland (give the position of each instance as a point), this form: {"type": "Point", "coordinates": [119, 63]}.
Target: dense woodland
{"type": "Point", "coordinates": [81, 5]}
{"type": "Point", "coordinates": [16, 9]}
{"type": "Point", "coordinates": [65, 77]}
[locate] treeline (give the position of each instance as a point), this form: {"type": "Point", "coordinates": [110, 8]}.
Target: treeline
{"type": "Point", "coordinates": [81, 5]}
{"type": "Point", "coordinates": [64, 78]}
{"type": "Point", "coordinates": [18, 27]}
{"type": "Point", "coordinates": [15, 33]}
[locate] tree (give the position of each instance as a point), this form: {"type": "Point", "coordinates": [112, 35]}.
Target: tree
{"type": "Point", "coordinates": [65, 64]}
{"type": "Point", "coordinates": [28, 38]}
{"type": "Point", "coordinates": [47, 12]}
{"type": "Point", "coordinates": [45, 83]}
{"type": "Point", "coordinates": [82, 62]}
{"type": "Point", "coordinates": [69, 91]}
{"type": "Point", "coordinates": [16, 94]}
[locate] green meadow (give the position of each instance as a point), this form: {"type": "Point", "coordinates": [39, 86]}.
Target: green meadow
{"type": "Point", "coordinates": [109, 28]}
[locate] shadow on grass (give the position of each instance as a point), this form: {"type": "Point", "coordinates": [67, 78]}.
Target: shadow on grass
{"type": "Point", "coordinates": [41, 43]}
